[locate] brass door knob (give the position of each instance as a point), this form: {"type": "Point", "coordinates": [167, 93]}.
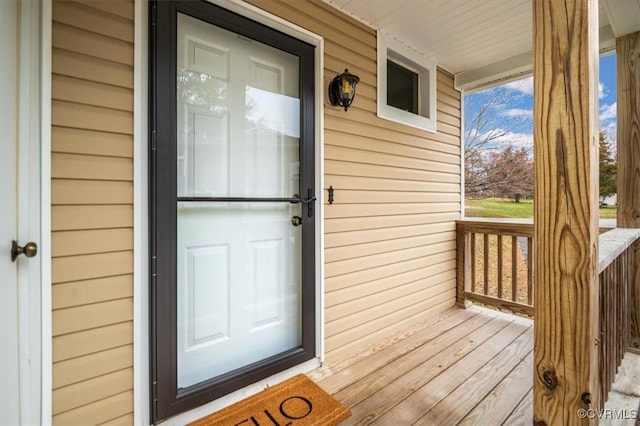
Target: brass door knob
{"type": "Point", "coordinates": [29, 250]}
{"type": "Point", "coordinates": [296, 221]}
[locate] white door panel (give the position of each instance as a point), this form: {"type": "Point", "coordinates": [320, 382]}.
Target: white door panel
{"type": "Point", "coordinates": [238, 286]}
{"type": "Point", "coordinates": [20, 306]}
{"type": "Point", "coordinates": [208, 169]}
{"type": "Point", "coordinates": [9, 346]}
{"type": "Point", "coordinates": [239, 273]}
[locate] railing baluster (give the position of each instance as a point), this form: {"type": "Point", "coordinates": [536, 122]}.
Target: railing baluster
{"type": "Point", "coordinates": [611, 356]}
{"type": "Point", "coordinates": [514, 268]}
{"type": "Point", "coordinates": [625, 277]}
{"type": "Point", "coordinates": [602, 347]}
{"type": "Point", "coordinates": [472, 260]}
{"type": "Point", "coordinates": [486, 264]}
{"type": "Point", "coordinates": [621, 290]}
{"type": "Point", "coordinates": [499, 266]}
{"type": "Point", "coordinates": [530, 271]}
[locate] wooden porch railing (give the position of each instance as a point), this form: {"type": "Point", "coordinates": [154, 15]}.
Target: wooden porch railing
{"type": "Point", "coordinates": [495, 268]}
{"type": "Point", "coordinates": [616, 269]}
{"type": "Point", "coordinates": [495, 264]}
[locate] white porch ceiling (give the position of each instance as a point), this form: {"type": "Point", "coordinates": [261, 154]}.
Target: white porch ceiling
{"type": "Point", "coordinates": [480, 41]}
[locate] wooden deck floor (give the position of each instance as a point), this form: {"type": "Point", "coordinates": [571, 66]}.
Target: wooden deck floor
{"type": "Point", "coordinates": [467, 367]}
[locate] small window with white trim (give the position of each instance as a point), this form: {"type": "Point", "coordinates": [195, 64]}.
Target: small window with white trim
{"type": "Point", "coordinates": [406, 85]}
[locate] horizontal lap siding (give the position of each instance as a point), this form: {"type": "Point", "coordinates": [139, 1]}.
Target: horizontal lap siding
{"type": "Point", "coordinates": [390, 234]}
{"type": "Point", "coordinates": [92, 211]}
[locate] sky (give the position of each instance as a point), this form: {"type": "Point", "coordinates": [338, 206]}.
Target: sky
{"type": "Point", "coordinates": [514, 111]}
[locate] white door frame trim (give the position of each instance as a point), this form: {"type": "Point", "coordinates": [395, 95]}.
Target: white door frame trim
{"type": "Point", "coordinates": [141, 393]}
{"type": "Point", "coordinates": [33, 112]}
{"type": "Point", "coordinates": [46, 383]}
{"type": "Point", "coordinates": [9, 311]}
{"type": "Point", "coordinates": [141, 385]}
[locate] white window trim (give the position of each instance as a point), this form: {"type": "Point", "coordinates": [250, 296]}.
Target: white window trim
{"type": "Point", "coordinates": [416, 62]}
{"type": "Point", "coordinates": [141, 394]}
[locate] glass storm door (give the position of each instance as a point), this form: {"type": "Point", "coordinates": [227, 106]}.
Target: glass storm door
{"type": "Point", "coordinates": [234, 184]}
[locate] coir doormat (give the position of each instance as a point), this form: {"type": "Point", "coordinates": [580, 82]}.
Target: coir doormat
{"type": "Point", "coordinates": [296, 402]}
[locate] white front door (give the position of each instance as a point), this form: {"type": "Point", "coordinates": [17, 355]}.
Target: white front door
{"type": "Point", "coordinates": [19, 212]}
{"type": "Point", "coordinates": [9, 348]}
{"type": "Point", "coordinates": [238, 260]}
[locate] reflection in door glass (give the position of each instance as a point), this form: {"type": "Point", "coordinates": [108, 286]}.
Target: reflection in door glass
{"type": "Point", "coordinates": [238, 263]}
{"type": "Point", "coordinates": [238, 115]}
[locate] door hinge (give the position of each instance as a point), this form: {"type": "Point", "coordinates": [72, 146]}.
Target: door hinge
{"type": "Point", "coordinates": [153, 140]}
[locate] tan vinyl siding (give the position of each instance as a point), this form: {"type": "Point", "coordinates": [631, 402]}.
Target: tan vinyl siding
{"type": "Point", "coordinates": [390, 235]}
{"type": "Point", "coordinates": [99, 412]}
{"type": "Point", "coordinates": [92, 211]}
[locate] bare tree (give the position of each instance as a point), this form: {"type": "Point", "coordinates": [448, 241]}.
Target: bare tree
{"type": "Point", "coordinates": [511, 173]}
{"type": "Point", "coordinates": [484, 111]}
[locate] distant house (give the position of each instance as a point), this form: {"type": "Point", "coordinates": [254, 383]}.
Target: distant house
{"type": "Point", "coordinates": [611, 200]}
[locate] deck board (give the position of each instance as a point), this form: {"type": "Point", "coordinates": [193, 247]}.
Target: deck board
{"type": "Point", "coordinates": [467, 367]}
{"type": "Point", "coordinates": [347, 376]}
{"type": "Point", "coordinates": [523, 414]}
{"type": "Point", "coordinates": [426, 361]}
{"type": "Point", "coordinates": [470, 393]}
{"type": "Point", "coordinates": [495, 407]}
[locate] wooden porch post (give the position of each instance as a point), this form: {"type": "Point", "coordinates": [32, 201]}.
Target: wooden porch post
{"type": "Point", "coordinates": [628, 54]}
{"type": "Point", "coordinates": [565, 69]}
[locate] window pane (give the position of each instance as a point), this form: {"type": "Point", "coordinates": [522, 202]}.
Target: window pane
{"type": "Point", "coordinates": [402, 88]}
{"type": "Point", "coordinates": [238, 115]}
{"type": "Point", "coordinates": [238, 264]}
{"type": "Point", "coordinates": [239, 297]}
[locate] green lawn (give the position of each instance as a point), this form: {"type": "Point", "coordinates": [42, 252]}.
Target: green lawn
{"type": "Point", "coordinates": [502, 207]}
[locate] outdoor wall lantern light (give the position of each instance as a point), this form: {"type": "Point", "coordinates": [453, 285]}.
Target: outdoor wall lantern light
{"type": "Point", "coordinates": [342, 89]}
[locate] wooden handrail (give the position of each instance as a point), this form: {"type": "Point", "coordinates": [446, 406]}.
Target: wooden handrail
{"type": "Point", "coordinates": [510, 227]}
{"type": "Point", "coordinates": [612, 243]}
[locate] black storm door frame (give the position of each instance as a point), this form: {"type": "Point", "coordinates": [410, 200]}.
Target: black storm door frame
{"type": "Point", "coordinates": [167, 399]}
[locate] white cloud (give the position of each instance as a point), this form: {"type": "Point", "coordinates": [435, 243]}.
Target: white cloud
{"type": "Point", "coordinates": [611, 129]}
{"type": "Point", "coordinates": [508, 138]}
{"type": "Point", "coordinates": [608, 112]}
{"type": "Point", "coordinates": [518, 112]}
{"type": "Point", "coordinates": [473, 133]}
{"type": "Point", "coordinates": [519, 140]}
{"type": "Point", "coordinates": [525, 85]}
{"type": "Point", "coordinates": [609, 122]}
{"type": "Point", "coordinates": [602, 90]}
